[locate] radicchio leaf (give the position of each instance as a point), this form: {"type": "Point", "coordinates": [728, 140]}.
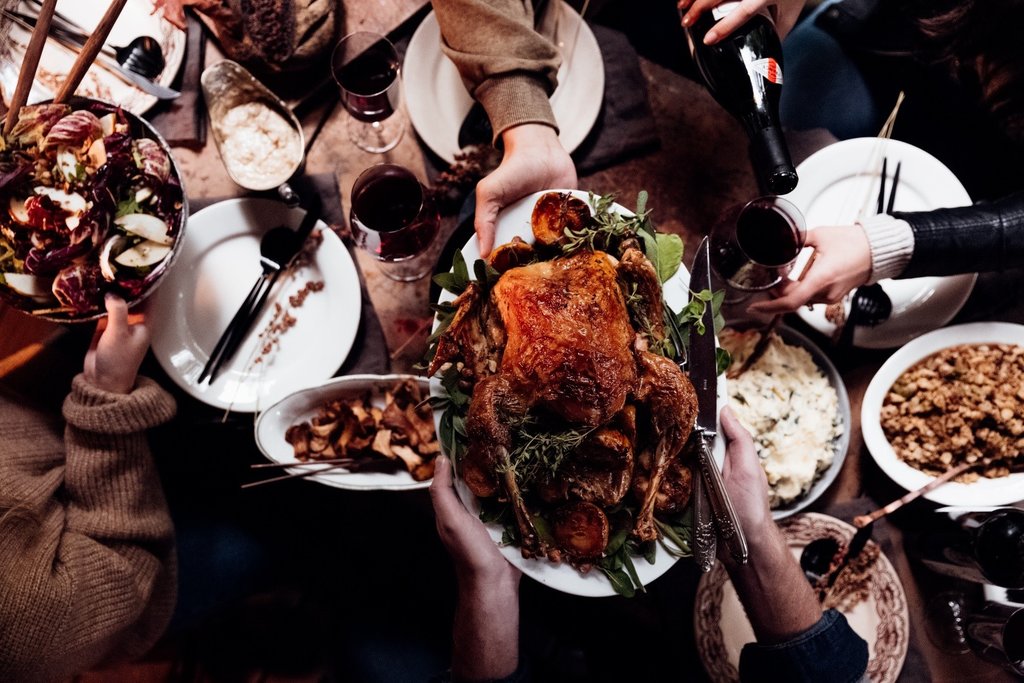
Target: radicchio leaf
{"type": "Point", "coordinates": [35, 121]}
{"type": "Point", "coordinates": [41, 261]}
{"type": "Point", "coordinates": [115, 173]}
{"type": "Point", "coordinates": [154, 162]}
{"type": "Point", "coordinates": [77, 130]}
{"type": "Point", "coordinates": [78, 287]}
{"type": "Point", "coordinates": [44, 214]}
{"type": "Point", "coordinates": [11, 175]}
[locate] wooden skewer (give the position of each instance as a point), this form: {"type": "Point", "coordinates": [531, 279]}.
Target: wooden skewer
{"type": "Point", "coordinates": [299, 475]}
{"type": "Point", "coordinates": [31, 63]}
{"type": "Point", "coordinates": [89, 51]}
{"type": "Point", "coordinates": [863, 520]}
{"type": "Point", "coordinates": [300, 463]}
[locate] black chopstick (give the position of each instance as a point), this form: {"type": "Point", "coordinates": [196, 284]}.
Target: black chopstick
{"type": "Point", "coordinates": [881, 186]}
{"type": "Point", "coordinates": [895, 183]}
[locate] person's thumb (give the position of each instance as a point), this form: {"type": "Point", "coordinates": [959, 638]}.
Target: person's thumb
{"type": "Point", "coordinates": [117, 313]}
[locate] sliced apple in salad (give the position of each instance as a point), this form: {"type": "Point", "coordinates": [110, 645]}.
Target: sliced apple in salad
{"type": "Point", "coordinates": [32, 286]}
{"type": "Point", "coordinates": [146, 226]}
{"type": "Point", "coordinates": [143, 254]}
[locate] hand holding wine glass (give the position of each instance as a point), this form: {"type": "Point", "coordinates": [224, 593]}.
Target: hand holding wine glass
{"type": "Point", "coordinates": [365, 66]}
{"type": "Point", "coordinates": [754, 245]}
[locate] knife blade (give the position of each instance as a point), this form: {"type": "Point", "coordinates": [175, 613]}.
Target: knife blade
{"type": "Point", "coordinates": [75, 43]}
{"type": "Point", "coordinates": [703, 370]}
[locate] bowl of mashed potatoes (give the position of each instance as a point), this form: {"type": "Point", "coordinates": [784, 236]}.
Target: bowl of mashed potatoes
{"type": "Point", "coordinates": [793, 402]}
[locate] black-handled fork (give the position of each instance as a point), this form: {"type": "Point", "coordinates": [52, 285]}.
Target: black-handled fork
{"type": "Point", "coordinates": [278, 250]}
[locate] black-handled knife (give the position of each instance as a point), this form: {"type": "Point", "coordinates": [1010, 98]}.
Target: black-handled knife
{"type": "Point", "coordinates": [703, 368]}
{"type": "Point", "coordinates": [238, 329]}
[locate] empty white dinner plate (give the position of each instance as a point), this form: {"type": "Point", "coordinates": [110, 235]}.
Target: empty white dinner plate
{"type": "Point", "coordinates": [984, 491]}
{"type": "Point", "coordinates": [839, 185]}
{"type": "Point", "coordinates": [218, 264]}
{"type": "Point", "coordinates": [437, 100]}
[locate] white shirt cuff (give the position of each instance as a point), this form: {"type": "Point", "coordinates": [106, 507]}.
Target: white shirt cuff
{"type": "Point", "coordinates": [892, 244]}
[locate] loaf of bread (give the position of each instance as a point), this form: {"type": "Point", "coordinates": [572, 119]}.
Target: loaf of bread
{"type": "Point", "coordinates": [280, 35]}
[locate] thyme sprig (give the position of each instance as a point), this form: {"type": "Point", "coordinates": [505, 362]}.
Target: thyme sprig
{"type": "Point", "coordinates": [539, 453]}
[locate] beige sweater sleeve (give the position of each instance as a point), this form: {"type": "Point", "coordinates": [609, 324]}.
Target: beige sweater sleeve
{"type": "Point", "coordinates": [87, 557]}
{"type": "Point", "coordinates": [505, 64]}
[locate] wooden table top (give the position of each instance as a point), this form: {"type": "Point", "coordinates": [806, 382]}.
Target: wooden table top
{"type": "Point", "coordinates": [700, 168]}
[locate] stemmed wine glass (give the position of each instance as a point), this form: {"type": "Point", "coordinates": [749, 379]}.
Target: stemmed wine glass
{"type": "Point", "coordinates": [394, 218]}
{"type": "Point", "coordinates": [754, 245]}
{"type": "Point", "coordinates": [365, 66]}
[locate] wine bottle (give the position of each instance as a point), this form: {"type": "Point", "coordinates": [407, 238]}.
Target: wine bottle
{"type": "Point", "coordinates": [744, 74]}
{"type": "Point", "coordinates": [984, 547]}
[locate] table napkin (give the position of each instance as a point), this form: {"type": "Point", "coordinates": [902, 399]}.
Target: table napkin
{"type": "Point", "coordinates": [182, 121]}
{"type": "Point", "coordinates": [625, 127]}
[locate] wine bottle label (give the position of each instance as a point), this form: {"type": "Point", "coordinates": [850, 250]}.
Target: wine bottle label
{"type": "Point", "coordinates": [769, 68]}
{"type": "Point", "coordinates": [721, 11]}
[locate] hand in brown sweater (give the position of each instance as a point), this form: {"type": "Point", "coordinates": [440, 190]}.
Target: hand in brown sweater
{"type": "Point", "coordinates": [87, 564]}
{"type": "Point", "coordinates": [511, 69]}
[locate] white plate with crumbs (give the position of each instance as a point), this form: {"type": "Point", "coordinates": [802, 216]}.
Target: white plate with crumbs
{"type": "Point", "coordinates": [218, 264]}
{"type": "Point", "coordinates": [839, 185]}
{"type": "Point", "coordinates": [881, 617]}
{"type": "Point", "coordinates": [136, 19]}
{"type": "Point", "coordinates": [984, 491]}
{"type": "Point", "coordinates": [437, 101]}
{"type": "Point", "coordinates": [305, 403]}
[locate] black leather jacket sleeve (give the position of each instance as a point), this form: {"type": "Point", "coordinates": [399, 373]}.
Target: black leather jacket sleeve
{"type": "Point", "coordinates": [967, 239]}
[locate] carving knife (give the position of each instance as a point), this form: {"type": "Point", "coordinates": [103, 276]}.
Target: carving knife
{"type": "Point", "coordinates": [704, 374]}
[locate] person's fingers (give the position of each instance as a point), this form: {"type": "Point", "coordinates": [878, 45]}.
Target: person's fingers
{"type": "Point", "coordinates": [730, 23]}
{"type": "Point", "coordinates": [742, 457]}
{"type": "Point", "coordinates": [117, 313]}
{"type": "Point", "coordinates": [442, 493]}
{"type": "Point", "coordinates": [485, 221]}
{"type": "Point", "coordinates": [697, 8]}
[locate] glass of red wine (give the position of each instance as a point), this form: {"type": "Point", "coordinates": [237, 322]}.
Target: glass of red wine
{"type": "Point", "coordinates": [754, 245]}
{"type": "Point", "coordinates": [365, 66]}
{"type": "Point", "coordinates": [394, 218]}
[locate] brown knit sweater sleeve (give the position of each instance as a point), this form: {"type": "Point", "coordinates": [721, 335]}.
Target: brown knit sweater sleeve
{"type": "Point", "coordinates": [506, 65]}
{"type": "Point", "coordinates": [87, 559]}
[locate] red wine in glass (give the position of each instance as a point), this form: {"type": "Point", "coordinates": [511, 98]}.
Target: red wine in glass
{"type": "Point", "coordinates": [753, 246]}
{"type": "Point", "coordinates": [366, 67]}
{"type": "Point", "coordinates": [366, 83]}
{"type": "Point", "coordinates": [395, 220]}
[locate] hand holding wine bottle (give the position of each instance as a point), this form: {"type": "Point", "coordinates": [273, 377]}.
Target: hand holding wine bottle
{"type": "Point", "coordinates": [744, 74]}
{"type": "Point", "coordinates": [784, 13]}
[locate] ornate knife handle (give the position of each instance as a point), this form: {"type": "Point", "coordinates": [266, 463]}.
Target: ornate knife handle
{"type": "Point", "coordinates": [704, 539]}
{"type": "Point", "coordinates": [721, 505]}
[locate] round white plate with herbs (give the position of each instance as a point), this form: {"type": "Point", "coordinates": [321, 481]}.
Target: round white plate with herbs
{"type": "Point", "coordinates": [515, 221]}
